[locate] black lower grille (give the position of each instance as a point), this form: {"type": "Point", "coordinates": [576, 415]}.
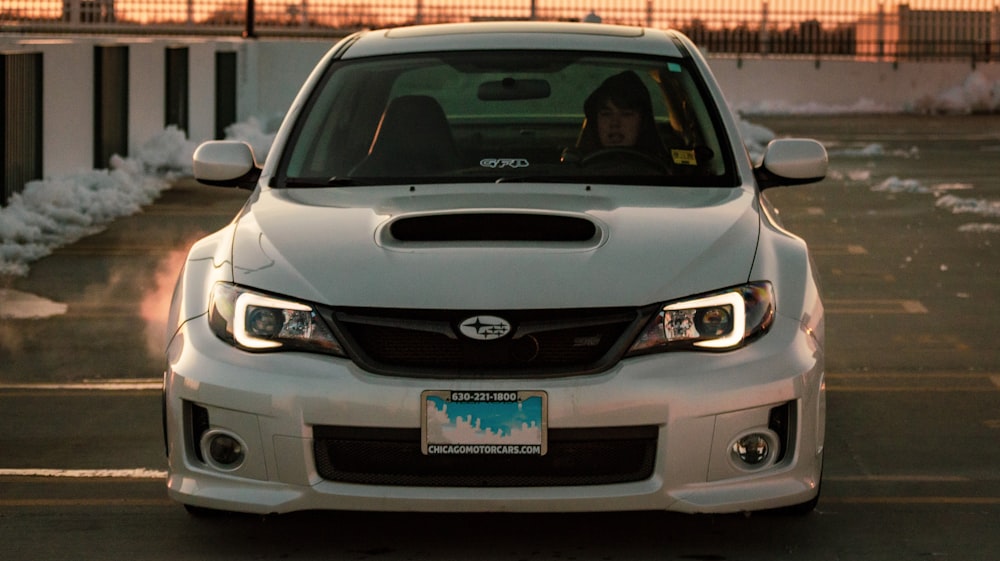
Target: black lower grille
{"type": "Point", "coordinates": [575, 457]}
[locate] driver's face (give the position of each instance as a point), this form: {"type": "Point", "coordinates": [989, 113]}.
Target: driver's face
{"type": "Point", "coordinates": [616, 126]}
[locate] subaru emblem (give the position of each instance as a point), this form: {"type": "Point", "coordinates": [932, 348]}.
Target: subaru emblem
{"type": "Point", "coordinates": [484, 328]}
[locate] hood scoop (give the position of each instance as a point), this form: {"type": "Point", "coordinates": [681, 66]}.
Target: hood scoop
{"type": "Point", "coordinates": [500, 227]}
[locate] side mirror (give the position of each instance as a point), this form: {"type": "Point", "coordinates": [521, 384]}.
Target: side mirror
{"type": "Point", "coordinates": [789, 161]}
{"type": "Point", "coordinates": [226, 163]}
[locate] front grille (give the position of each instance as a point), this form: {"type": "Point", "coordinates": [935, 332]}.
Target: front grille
{"type": "Point", "coordinates": [376, 456]}
{"type": "Point", "coordinates": [541, 342]}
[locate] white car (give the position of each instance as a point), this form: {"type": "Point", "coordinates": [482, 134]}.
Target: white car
{"type": "Point", "coordinates": [500, 267]}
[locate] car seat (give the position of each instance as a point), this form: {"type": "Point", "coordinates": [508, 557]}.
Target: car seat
{"type": "Point", "coordinates": [412, 138]}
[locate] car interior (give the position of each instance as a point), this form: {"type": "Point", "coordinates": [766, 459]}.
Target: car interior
{"type": "Point", "coordinates": [455, 118]}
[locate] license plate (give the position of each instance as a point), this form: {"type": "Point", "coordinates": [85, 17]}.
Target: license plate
{"type": "Point", "coordinates": [502, 423]}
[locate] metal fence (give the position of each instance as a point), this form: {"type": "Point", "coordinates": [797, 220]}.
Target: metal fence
{"type": "Point", "coordinates": [918, 29]}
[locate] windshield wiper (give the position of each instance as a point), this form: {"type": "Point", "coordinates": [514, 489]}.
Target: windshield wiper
{"type": "Point", "coordinates": [322, 182]}
{"type": "Point", "coordinates": [537, 179]}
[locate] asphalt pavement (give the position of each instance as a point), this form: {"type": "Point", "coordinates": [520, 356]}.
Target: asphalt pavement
{"type": "Point", "coordinates": [908, 250]}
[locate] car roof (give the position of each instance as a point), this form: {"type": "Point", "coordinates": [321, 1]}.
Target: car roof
{"type": "Point", "coordinates": [559, 36]}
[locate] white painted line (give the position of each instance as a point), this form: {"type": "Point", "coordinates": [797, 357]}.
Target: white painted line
{"type": "Point", "coordinates": [91, 385]}
{"type": "Point", "coordinates": [136, 473]}
{"type": "Point", "coordinates": [898, 478]}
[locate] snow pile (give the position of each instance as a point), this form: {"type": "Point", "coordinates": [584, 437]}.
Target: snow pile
{"type": "Point", "coordinates": [755, 137]}
{"type": "Point", "coordinates": [51, 213]}
{"type": "Point", "coordinates": [166, 153]}
{"type": "Point", "coordinates": [975, 95]}
{"type": "Point", "coordinates": [252, 132]}
{"type": "Point", "coordinates": [863, 106]}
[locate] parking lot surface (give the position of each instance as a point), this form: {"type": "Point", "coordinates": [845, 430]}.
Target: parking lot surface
{"type": "Point", "coordinates": [906, 236]}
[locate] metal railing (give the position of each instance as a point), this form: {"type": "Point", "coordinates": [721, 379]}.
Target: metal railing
{"type": "Point", "coordinates": [918, 29]}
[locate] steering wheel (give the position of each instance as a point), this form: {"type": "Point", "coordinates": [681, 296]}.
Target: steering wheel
{"type": "Point", "coordinates": [608, 158]}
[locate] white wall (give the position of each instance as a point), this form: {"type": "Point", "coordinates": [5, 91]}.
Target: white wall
{"type": "Point", "coordinates": [270, 73]}
{"type": "Point", "coordinates": [67, 107]}
{"type": "Point", "coordinates": [757, 83]}
{"type": "Point", "coordinates": [146, 90]}
{"type": "Point", "coordinates": [749, 83]}
{"type": "Point", "coordinates": [282, 66]}
{"type": "Point", "coordinates": [68, 89]}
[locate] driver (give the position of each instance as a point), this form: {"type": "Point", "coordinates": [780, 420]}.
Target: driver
{"type": "Point", "coordinates": [619, 114]}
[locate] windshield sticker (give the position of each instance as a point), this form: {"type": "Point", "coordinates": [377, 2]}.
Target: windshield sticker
{"type": "Point", "coordinates": [499, 163]}
{"type": "Point", "coordinates": [684, 157]}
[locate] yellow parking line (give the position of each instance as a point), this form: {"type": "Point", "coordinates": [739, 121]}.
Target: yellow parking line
{"type": "Point", "coordinates": [930, 382]}
{"type": "Point", "coordinates": [849, 249]}
{"type": "Point", "coordinates": [120, 385]}
{"type": "Point", "coordinates": [925, 389]}
{"type": "Point", "coordinates": [135, 473]}
{"type": "Point", "coordinates": [938, 500]}
{"type": "Point", "coordinates": [896, 478]}
{"type": "Point", "coordinates": [63, 503]}
{"type": "Point", "coordinates": [882, 306]}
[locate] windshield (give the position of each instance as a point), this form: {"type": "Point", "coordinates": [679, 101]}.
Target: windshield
{"type": "Point", "coordinates": [508, 116]}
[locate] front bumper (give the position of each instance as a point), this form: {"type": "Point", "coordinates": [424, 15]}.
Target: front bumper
{"type": "Point", "coordinates": [698, 403]}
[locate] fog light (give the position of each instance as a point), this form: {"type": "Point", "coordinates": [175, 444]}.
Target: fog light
{"type": "Point", "coordinates": [754, 450]}
{"type": "Point", "coordinates": [223, 450]}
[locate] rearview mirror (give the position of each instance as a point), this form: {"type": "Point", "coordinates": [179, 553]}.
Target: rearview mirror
{"type": "Point", "coordinates": [510, 89]}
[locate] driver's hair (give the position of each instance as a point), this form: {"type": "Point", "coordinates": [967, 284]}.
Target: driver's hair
{"type": "Point", "coordinates": [626, 91]}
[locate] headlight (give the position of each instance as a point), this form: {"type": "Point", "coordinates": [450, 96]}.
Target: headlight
{"type": "Point", "coordinates": [719, 321]}
{"type": "Point", "coordinates": [258, 322]}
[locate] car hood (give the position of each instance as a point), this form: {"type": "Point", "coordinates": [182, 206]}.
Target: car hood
{"type": "Point", "coordinates": [627, 245]}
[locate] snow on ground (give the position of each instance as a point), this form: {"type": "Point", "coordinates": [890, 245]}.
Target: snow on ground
{"type": "Point", "coordinates": [975, 95]}
{"type": "Point", "coordinates": [755, 137]}
{"type": "Point", "coordinates": [944, 194]}
{"type": "Point", "coordinates": [862, 106]}
{"type": "Point", "coordinates": [50, 213]}
{"type": "Point", "coordinates": [54, 212]}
